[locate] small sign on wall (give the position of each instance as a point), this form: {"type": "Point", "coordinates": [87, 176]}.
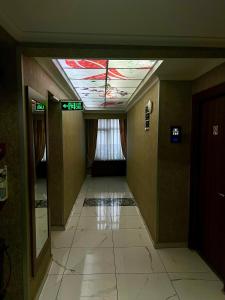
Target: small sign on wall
{"type": "Point", "coordinates": [215, 130]}
{"type": "Point", "coordinates": [148, 111]}
{"type": "Point", "coordinates": [175, 134]}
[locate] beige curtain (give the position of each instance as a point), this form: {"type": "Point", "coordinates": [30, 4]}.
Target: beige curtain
{"type": "Point", "coordinates": [39, 139]}
{"type": "Point", "coordinates": [91, 131]}
{"type": "Point", "coordinates": [123, 136]}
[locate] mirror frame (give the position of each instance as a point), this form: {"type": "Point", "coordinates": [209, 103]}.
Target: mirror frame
{"type": "Point", "coordinates": [31, 94]}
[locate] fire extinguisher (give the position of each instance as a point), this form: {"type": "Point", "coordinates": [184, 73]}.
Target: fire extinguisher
{"type": "Point", "coordinates": [4, 283]}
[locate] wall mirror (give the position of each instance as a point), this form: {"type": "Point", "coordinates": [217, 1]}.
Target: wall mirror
{"type": "Point", "coordinates": [38, 174]}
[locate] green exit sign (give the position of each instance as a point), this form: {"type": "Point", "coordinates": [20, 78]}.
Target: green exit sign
{"type": "Point", "coordinates": [40, 106]}
{"type": "Point", "coordinates": [72, 105]}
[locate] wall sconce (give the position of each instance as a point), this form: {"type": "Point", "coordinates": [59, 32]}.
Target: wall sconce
{"type": "Point", "coordinates": [148, 111]}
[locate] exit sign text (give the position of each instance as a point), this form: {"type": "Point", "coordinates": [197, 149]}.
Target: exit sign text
{"type": "Point", "coordinates": [40, 106]}
{"type": "Point", "coordinates": [72, 105]}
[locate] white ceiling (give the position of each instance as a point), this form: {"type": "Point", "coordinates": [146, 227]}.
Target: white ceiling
{"type": "Point", "coordinates": [186, 68]}
{"type": "Point", "coordinates": [150, 22]}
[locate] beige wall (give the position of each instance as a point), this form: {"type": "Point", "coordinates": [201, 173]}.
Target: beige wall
{"type": "Point", "coordinates": [142, 157]}
{"type": "Point", "coordinates": [174, 162]}
{"type": "Point", "coordinates": [73, 157]}
{"type": "Point", "coordinates": [158, 171]}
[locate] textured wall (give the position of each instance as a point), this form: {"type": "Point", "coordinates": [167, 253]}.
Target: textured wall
{"type": "Point", "coordinates": [73, 157]}
{"type": "Point", "coordinates": [174, 162]}
{"type": "Point", "coordinates": [55, 166]}
{"type": "Point", "coordinates": [142, 157]}
{"type": "Point", "coordinates": [39, 80]}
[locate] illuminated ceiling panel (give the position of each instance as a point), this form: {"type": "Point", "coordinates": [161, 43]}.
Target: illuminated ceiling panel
{"type": "Point", "coordinates": [105, 83]}
{"type": "Point", "coordinates": [131, 64]}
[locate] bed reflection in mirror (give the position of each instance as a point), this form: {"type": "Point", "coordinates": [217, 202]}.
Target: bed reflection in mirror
{"type": "Point", "coordinates": [41, 195]}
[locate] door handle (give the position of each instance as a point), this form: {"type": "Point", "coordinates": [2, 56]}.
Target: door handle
{"type": "Point", "coordinates": [221, 195]}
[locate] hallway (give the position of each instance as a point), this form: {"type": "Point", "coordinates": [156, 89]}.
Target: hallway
{"type": "Point", "coordinates": [105, 253]}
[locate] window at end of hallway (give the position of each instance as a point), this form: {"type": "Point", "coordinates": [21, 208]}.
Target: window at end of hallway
{"type": "Point", "coordinates": [109, 140]}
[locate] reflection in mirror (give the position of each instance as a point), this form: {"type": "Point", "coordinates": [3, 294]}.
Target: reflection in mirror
{"type": "Point", "coordinates": [40, 157]}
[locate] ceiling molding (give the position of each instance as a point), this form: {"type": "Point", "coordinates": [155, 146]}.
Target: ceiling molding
{"type": "Point", "coordinates": [10, 27]}
{"type": "Point", "coordinates": [53, 72]}
{"type": "Point", "coordinates": [144, 84]}
{"type": "Point", "coordinates": [153, 80]}
{"type": "Point", "coordinates": [109, 38]}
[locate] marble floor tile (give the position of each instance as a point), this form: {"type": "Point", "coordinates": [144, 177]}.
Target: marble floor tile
{"type": "Point", "coordinates": [124, 211]}
{"type": "Point", "coordinates": [195, 289]}
{"type": "Point", "coordinates": [106, 254]}
{"type": "Point", "coordinates": [72, 222]}
{"type": "Point", "coordinates": [123, 194]}
{"type": "Point", "coordinates": [59, 259]}
{"type": "Point", "coordinates": [77, 208]}
{"type": "Point", "coordinates": [51, 287]}
{"type": "Point", "coordinates": [88, 287]}
{"type": "Point", "coordinates": [107, 201]}
{"type": "Point", "coordinates": [62, 239]}
{"type": "Point", "coordinates": [145, 287]}
{"type": "Point", "coordinates": [194, 276]}
{"type": "Point", "coordinates": [137, 260]}
{"type": "Point", "coordinates": [96, 211]}
{"type": "Point", "coordinates": [75, 212]}
{"type": "Point", "coordinates": [182, 260]}
{"type": "Point", "coordinates": [131, 238]}
{"type": "Point", "coordinates": [127, 222]}
{"type": "Point", "coordinates": [90, 261]}
{"type": "Point", "coordinates": [95, 223]}
{"type": "Point", "coordinates": [93, 238]}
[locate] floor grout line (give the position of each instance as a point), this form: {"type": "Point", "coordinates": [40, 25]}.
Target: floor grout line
{"type": "Point", "coordinates": [67, 257]}
{"type": "Point", "coordinates": [89, 191]}
{"type": "Point", "coordinates": [117, 292]}
{"type": "Point", "coordinates": [168, 275]}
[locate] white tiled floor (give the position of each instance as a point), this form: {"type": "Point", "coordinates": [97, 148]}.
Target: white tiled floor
{"type": "Point", "coordinates": [106, 254]}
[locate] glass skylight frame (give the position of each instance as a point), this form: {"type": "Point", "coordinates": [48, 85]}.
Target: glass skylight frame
{"type": "Point", "coordinates": [80, 72]}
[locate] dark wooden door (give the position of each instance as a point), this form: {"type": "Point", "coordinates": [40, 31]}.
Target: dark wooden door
{"type": "Point", "coordinates": [212, 184]}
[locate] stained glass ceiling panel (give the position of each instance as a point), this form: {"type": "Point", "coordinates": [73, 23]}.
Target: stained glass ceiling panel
{"type": "Point", "coordinates": [134, 64]}
{"type": "Point", "coordinates": [105, 83]}
{"type": "Point", "coordinates": [88, 83]}
{"type": "Point", "coordinates": [122, 84]}
{"type": "Point", "coordinates": [126, 74]}
{"type": "Point", "coordinates": [86, 74]}
{"type": "Point", "coordinates": [119, 92]}
{"type": "Point", "coordinates": [83, 63]}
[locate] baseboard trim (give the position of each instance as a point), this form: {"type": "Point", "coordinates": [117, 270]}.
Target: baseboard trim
{"type": "Point", "coordinates": [43, 281]}
{"type": "Point", "coordinates": [170, 245]}
{"type": "Point", "coordinates": [58, 228]}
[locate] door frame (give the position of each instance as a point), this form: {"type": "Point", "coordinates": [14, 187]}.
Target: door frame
{"type": "Point", "coordinates": [197, 101]}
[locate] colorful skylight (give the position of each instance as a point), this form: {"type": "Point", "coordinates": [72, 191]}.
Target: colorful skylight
{"type": "Point", "coordinates": [106, 83]}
